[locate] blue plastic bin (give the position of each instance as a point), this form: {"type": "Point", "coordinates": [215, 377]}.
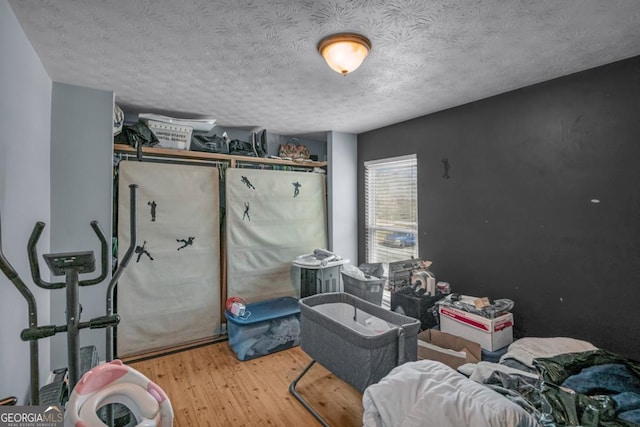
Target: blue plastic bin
{"type": "Point", "coordinates": [267, 327]}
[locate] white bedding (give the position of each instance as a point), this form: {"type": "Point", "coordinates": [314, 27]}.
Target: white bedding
{"type": "Point", "coordinates": [525, 350]}
{"type": "Point", "coordinates": [428, 393]}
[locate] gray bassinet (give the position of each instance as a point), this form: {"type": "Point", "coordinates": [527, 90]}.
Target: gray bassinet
{"type": "Point", "coordinates": [356, 340]}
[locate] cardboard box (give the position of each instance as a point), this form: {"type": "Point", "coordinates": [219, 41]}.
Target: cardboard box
{"type": "Point", "coordinates": [449, 349]}
{"type": "Point", "coordinates": [491, 334]}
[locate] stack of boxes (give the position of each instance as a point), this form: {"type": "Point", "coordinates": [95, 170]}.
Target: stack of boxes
{"type": "Point", "coordinates": [492, 334]}
{"type": "Point", "coordinates": [413, 291]}
{"type": "Point", "coordinates": [474, 327]}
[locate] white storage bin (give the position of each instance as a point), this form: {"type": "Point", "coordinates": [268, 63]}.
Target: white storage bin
{"type": "Point", "coordinates": [171, 135]}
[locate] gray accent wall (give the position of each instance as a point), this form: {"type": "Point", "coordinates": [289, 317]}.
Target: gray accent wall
{"type": "Point", "coordinates": [542, 205]}
{"type": "Point", "coordinates": [81, 191]}
{"type": "Point", "coordinates": [25, 120]}
{"type": "Point", "coordinates": [342, 183]}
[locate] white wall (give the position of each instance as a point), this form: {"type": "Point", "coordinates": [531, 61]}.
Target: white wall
{"type": "Point", "coordinates": [342, 185]}
{"type": "Point", "coordinates": [81, 191]}
{"type": "Point", "coordinates": [25, 119]}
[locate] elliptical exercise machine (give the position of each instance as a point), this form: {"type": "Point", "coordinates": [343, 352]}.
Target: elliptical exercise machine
{"type": "Point", "coordinates": [103, 386]}
{"type": "Point", "coordinates": [70, 265]}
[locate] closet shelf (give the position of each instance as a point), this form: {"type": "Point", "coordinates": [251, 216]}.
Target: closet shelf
{"type": "Point", "coordinates": [186, 154]}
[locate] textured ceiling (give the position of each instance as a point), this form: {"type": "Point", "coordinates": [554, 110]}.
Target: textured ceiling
{"type": "Point", "coordinates": [253, 63]}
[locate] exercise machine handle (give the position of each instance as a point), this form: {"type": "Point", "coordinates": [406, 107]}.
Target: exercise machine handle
{"type": "Point", "coordinates": [6, 268]}
{"type": "Point", "coordinates": [11, 274]}
{"type": "Point", "coordinates": [33, 259]}
{"type": "Point", "coordinates": [133, 236]}
{"type": "Point", "coordinates": [35, 267]}
{"type": "Point", "coordinates": [104, 321]}
{"type": "Point", "coordinates": [32, 334]}
{"type": "Point", "coordinates": [104, 252]}
{"type": "Point", "coordinates": [39, 332]}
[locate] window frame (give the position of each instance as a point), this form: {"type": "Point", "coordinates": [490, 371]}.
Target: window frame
{"type": "Point", "coordinates": [371, 227]}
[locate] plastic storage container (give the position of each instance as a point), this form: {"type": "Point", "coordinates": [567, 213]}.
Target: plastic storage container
{"type": "Point", "coordinates": [170, 135]}
{"type": "Point", "coordinates": [267, 327]}
{"type": "Point", "coordinates": [418, 307]}
{"type": "Point", "coordinates": [369, 289]}
{"type": "Point", "coordinates": [311, 279]}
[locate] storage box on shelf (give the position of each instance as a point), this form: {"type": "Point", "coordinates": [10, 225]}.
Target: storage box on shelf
{"type": "Point", "coordinates": [266, 327]}
{"type": "Point", "coordinates": [171, 135]}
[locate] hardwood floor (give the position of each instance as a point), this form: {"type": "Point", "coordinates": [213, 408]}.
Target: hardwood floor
{"type": "Point", "coordinates": [208, 386]}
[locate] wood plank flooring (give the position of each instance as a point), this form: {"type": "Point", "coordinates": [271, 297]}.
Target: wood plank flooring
{"type": "Point", "coordinates": [208, 386]}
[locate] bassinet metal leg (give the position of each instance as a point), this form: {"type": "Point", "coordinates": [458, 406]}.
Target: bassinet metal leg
{"type": "Point", "coordinates": [292, 390]}
{"type": "Point", "coordinates": [401, 338]}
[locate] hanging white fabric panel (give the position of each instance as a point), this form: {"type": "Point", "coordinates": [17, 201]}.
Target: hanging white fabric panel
{"type": "Point", "coordinates": [170, 293]}
{"type": "Point", "coordinates": [271, 217]}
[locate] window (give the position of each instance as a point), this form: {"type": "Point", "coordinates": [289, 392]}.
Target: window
{"type": "Point", "coordinates": [391, 209]}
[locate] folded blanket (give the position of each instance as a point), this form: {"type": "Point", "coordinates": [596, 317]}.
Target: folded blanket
{"type": "Point", "coordinates": [525, 350]}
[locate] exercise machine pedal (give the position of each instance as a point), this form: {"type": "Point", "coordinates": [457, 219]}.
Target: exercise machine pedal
{"type": "Point", "coordinates": [8, 401]}
{"type": "Point", "coordinates": [57, 391]}
{"type": "Point", "coordinates": [89, 359]}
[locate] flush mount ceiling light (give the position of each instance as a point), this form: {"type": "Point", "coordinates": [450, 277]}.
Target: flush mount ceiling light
{"type": "Point", "coordinates": [344, 52]}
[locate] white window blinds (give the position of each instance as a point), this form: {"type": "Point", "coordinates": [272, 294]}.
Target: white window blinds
{"type": "Point", "coordinates": [391, 209]}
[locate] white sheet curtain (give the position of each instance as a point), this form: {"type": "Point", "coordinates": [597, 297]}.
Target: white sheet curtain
{"type": "Point", "coordinates": [170, 293]}
{"type": "Point", "coordinates": [271, 217]}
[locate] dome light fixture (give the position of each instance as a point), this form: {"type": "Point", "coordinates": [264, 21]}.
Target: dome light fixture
{"type": "Point", "coordinates": [344, 52]}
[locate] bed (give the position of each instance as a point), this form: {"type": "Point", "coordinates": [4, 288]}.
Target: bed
{"type": "Point", "coordinates": [538, 382]}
